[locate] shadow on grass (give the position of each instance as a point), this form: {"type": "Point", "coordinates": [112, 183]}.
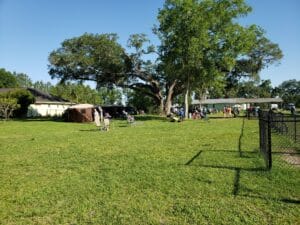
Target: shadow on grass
{"type": "Point", "coordinates": [234, 168]}
{"type": "Point", "coordinates": [245, 154]}
{"type": "Point", "coordinates": [123, 125]}
{"type": "Point", "coordinates": [212, 116]}
{"type": "Point", "coordinates": [236, 185]}
{"type": "Point", "coordinates": [237, 176]}
{"type": "Point", "coordinates": [42, 119]}
{"type": "Point", "coordinates": [284, 200]}
{"type": "Point", "coordinates": [293, 201]}
{"type": "Point", "coordinates": [240, 139]}
{"type": "Point", "coordinates": [192, 159]}
{"type": "Point", "coordinates": [151, 117]}
{"type": "Point", "coordinates": [92, 130]}
{"type": "Point", "coordinates": [237, 170]}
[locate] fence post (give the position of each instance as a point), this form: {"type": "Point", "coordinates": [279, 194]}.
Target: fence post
{"type": "Point", "coordinates": [269, 141]}
{"type": "Point", "coordinates": [295, 128]}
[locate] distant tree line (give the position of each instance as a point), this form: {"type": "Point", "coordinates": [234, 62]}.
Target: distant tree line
{"type": "Point", "coordinates": [80, 93]}
{"type": "Point", "coordinates": [75, 92]}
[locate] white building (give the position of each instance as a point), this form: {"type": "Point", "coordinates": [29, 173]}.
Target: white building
{"type": "Point", "coordinates": [46, 104]}
{"type": "Point", "coordinates": [47, 109]}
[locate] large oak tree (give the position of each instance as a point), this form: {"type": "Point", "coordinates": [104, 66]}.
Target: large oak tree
{"type": "Point", "coordinates": [100, 58]}
{"type": "Point", "coordinates": [202, 46]}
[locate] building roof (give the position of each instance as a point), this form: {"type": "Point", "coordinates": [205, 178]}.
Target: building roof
{"type": "Point", "coordinates": [81, 106]}
{"type": "Point", "coordinates": [40, 97]}
{"type": "Point", "coordinates": [236, 101]}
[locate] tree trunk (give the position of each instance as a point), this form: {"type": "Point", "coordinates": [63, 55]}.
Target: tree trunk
{"type": "Point", "coordinates": [186, 99]}
{"type": "Point", "coordinates": [169, 99]}
{"type": "Point", "coordinates": [161, 107]}
{"type": "Point", "coordinates": [186, 104]}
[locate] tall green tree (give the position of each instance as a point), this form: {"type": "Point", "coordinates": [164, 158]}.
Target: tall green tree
{"type": "Point", "coordinates": [254, 89]}
{"type": "Point", "coordinates": [110, 96]}
{"type": "Point", "coordinates": [201, 43]}
{"type": "Point", "coordinates": [23, 80]}
{"type": "Point", "coordinates": [24, 99]}
{"type": "Point", "coordinates": [15, 102]}
{"type": "Point", "coordinates": [77, 93]}
{"type": "Point", "coordinates": [93, 57]}
{"type": "Point", "coordinates": [262, 54]}
{"type": "Point", "coordinates": [141, 102]}
{"type": "Point", "coordinates": [7, 106]}
{"type": "Point", "coordinates": [42, 86]}
{"type": "Point", "coordinates": [7, 79]}
{"type": "Point", "coordinates": [144, 77]}
{"type": "Point", "coordinates": [201, 40]}
{"type": "Point", "coordinates": [289, 90]}
{"type": "Point", "coordinates": [99, 58]}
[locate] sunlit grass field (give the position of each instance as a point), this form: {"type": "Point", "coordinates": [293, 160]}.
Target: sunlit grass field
{"type": "Point", "coordinates": [152, 172]}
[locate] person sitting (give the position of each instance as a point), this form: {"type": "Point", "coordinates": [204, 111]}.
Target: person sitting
{"type": "Point", "coordinates": [174, 118]}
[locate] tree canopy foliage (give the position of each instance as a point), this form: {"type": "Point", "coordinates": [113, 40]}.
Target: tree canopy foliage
{"type": "Point", "coordinates": [94, 57]}
{"type": "Point", "coordinates": [7, 106]}
{"type": "Point", "coordinates": [289, 90]}
{"type": "Point", "coordinates": [15, 102]}
{"type": "Point", "coordinates": [200, 40]}
{"type": "Point", "coordinates": [262, 54]}
{"type": "Point", "coordinates": [7, 79]}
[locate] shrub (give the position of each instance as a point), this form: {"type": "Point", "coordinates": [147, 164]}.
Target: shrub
{"type": "Point", "coordinates": [7, 106]}
{"type": "Point", "coordinates": [20, 97]}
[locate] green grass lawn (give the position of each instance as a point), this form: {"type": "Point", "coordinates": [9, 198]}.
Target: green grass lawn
{"type": "Point", "coordinates": [154, 172]}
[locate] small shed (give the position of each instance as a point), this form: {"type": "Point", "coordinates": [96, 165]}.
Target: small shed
{"type": "Point", "coordinates": [79, 113]}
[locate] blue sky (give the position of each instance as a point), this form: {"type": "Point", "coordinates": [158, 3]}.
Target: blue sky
{"type": "Point", "coordinates": [31, 29]}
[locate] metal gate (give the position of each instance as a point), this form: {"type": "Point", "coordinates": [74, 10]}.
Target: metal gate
{"type": "Point", "coordinates": [271, 123]}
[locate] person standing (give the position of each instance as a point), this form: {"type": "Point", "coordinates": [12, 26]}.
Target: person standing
{"type": "Point", "coordinates": [97, 117]}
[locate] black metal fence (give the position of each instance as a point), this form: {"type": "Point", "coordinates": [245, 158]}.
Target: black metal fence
{"type": "Point", "coordinates": [279, 134]}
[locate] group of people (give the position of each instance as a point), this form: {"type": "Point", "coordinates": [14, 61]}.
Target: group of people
{"type": "Point", "coordinates": [199, 113]}
{"type": "Point", "coordinates": [229, 111]}
{"type": "Point", "coordinates": [176, 115]}
{"type": "Point", "coordinates": [253, 111]}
